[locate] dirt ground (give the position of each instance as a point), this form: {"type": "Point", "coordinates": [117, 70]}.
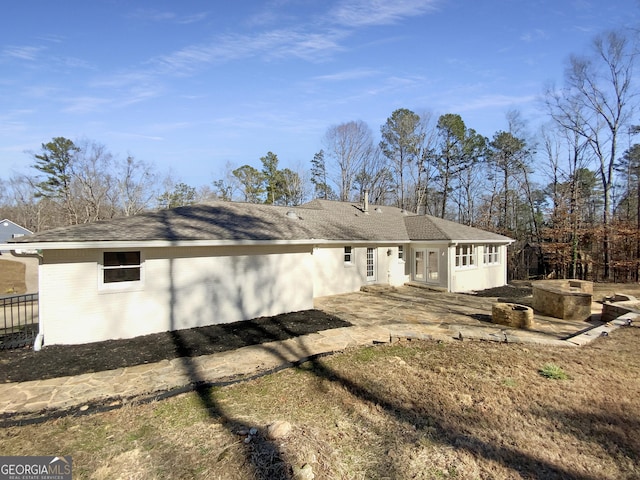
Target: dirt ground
{"type": "Point", "coordinates": [62, 360]}
{"type": "Point", "coordinates": [12, 278]}
{"type": "Point", "coordinates": [18, 274]}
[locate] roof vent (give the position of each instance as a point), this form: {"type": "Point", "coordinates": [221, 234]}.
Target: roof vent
{"type": "Point", "coordinates": [404, 212]}
{"type": "Point", "coordinates": [293, 215]}
{"type": "Point", "coordinates": [378, 209]}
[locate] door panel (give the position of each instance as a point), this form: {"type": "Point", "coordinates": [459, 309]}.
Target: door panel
{"type": "Point", "coordinates": [418, 265]}
{"type": "Point", "coordinates": [432, 265]}
{"type": "Point", "coordinates": [371, 264]}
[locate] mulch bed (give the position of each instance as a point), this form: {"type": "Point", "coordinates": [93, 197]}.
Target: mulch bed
{"type": "Point", "coordinates": [63, 360]}
{"type": "Point", "coordinates": [509, 291]}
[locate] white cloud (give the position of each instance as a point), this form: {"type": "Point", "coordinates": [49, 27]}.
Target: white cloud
{"type": "Point", "coordinates": [347, 75]}
{"type": "Point", "coordinates": [272, 44]}
{"type": "Point", "coordinates": [135, 136]}
{"type": "Point", "coordinates": [23, 52]}
{"type": "Point", "coordinates": [153, 15]}
{"type": "Point", "coordinates": [360, 13]}
{"type": "Point", "coordinates": [196, 17]}
{"type": "Point", "coordinates": [533, 35]}
{"type": "Point", "coordinates": [84, 104]}
{"type": "Point", "coordinates": [493, 101]}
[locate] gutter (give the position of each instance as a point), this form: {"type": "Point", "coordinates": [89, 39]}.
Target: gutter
{"type": "Point", "coordinates": [101, 244]}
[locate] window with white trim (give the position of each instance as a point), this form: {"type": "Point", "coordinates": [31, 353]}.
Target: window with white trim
{"type": "Point", "coordinates": [465, 256]}
{"type": "Point", "coordinates": [401, 253]}
{"type": "Point", "coordinates": [491, 254]}
{"type": "Point", "coordinates": [348, 255]}
{"type": "Point", "coordinates": [121, 267]}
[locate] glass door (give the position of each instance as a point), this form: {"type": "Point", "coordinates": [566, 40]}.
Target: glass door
{"type": "Point", "coordinates": [371, 264]}
{"type": "Point", "coordinates": [432, 265]}
{"type": "Point", "coordinates": [418, 265]}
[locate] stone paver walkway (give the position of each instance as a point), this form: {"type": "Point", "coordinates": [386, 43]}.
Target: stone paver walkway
{"type": "Point", "coordinates": [378, 316]}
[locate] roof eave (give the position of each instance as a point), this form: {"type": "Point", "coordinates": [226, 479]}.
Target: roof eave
{"type": "Point", "coordinates": [110, 244]}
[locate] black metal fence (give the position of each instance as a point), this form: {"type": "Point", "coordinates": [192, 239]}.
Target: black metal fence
{"type": "Point", "coordinates": [18, 320]}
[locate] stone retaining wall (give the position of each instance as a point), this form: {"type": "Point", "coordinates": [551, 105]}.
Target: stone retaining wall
{"type": "Point", "coordinates": [619, 305]}
{"type": "Point", "coordinates": [565, 299]}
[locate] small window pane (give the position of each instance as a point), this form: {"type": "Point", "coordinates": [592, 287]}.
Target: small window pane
{"type": "Point", "coordinates": [122, 275]}
{"type": "Point", "coordinates": [117, 259]}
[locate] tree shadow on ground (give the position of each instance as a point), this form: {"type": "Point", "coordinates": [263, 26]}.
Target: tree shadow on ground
{"type": "Point", "coordinates": [269, 462]}
{"type": "Point", "coordinates": [525, 464]}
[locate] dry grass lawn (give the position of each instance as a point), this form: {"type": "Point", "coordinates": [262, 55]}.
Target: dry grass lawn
{"type": "Point", "coordinates": [415, 410]}
{"type": "Point", "coordinates": [12, 277]}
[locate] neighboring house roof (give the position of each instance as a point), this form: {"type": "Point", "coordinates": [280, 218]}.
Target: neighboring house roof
{"type": "Point", "coordinates": [228, 222]}
{"type": "Point", "coordinates": [9, 230]}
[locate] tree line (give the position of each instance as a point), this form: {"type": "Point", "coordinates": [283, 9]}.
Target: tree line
{"type": "Point", "coordinates": [569, 194]}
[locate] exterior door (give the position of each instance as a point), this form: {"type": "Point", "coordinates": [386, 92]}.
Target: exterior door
{"type": "Point", "coordinates": [371, 264]}
{"type": "Point", "coordinates": [426, 265]}
{"type": "Point", "coordinates": [418, 265]}
{"type": "Point", "coordinates": [432, 265]}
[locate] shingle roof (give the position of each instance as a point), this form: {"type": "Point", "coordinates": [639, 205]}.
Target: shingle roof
{"type": "Point", "coordinates": [316, 220]}
{"type": "Point", "coordinates": [426, 227]}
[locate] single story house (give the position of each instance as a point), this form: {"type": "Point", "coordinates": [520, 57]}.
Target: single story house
{"type": "Point", "coordinates": [225, 261]}
{"type": "Point", "coordinates": [10, 230]}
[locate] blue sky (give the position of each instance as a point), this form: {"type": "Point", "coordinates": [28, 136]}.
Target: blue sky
{"type": "Point", "coordinates": [192, 85]}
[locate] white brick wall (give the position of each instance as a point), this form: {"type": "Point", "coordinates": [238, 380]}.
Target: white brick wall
{"type": "Point", "coordinates": [183, 288]}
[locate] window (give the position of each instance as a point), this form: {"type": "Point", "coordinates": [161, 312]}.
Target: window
{"type": "Point", "coordinates": [121, 267]}
{"type": "Point", "coordinates": [401, 253]}
{"type": "Point", "coordinates": [490, 254]}
{"type": "Point", "coordinates": [465, 256]}
{"type": "Point", "coordinates": [348, 255]}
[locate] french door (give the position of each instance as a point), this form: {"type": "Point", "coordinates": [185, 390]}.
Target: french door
{"type": "Point", "coordinates": [426, 265]}
{"type": "Point", "coordinates": [371, 264]}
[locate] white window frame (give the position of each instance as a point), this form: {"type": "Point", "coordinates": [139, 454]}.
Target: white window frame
{"type": "Point", "coordinates": [131, 285]}
{"type": "Point", "coordinates": [348, 255]}
{"type": "Point", "coordinates": [491, 254]}
{"type": "Point", "coordinates": [401, 254]}
{"type": "Point", "coordinates": [465, 257]}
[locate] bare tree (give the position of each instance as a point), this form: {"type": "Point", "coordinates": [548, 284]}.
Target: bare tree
{"type": "Point", "coordinates": [136, 186]}
{"type": "Point", "coordinates": [348, 147]}
{"type": "Point", "coordinates": [92, 183]}
{"type": "Point", "coordinates": [424, 170]}
{"type": "Point", "coordinates": [595, 104]}
{"type": "Point", "coordinates": [401, 143]}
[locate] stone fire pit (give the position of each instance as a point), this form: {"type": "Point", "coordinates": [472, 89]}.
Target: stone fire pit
{"type": "Point", "coordinates": [566, 299]}
{"type": "Point", "coordinates": [512, 315]}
